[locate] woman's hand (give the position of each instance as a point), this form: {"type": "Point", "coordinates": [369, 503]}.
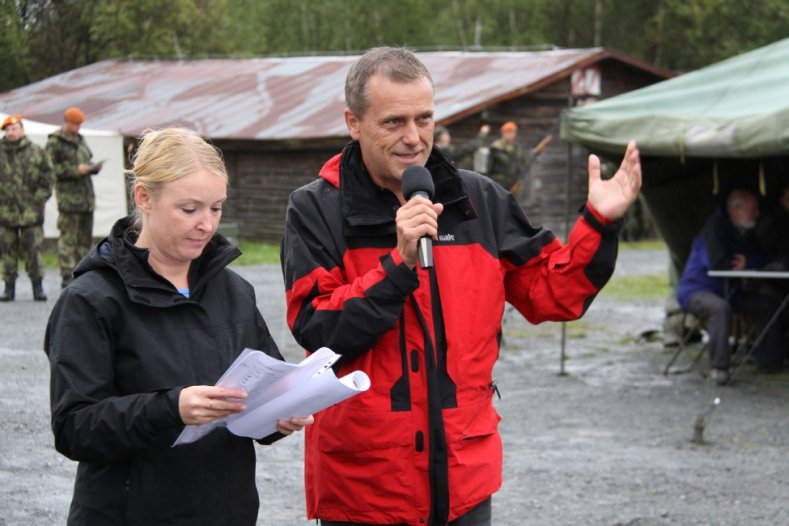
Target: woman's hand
{"type": "Point", "coordinates": [200, 404]}
{"type": "Point", "coordinates": [297, 423]}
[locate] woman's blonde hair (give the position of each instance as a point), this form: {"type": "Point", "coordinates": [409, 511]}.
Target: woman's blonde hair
{"type": "Point", "coordinates": [167, 155]}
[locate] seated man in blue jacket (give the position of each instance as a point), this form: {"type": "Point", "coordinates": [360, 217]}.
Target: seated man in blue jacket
{"type": "Point", "coordinates": [727, 242]}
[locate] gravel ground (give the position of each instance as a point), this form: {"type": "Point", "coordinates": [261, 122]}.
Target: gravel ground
{"type": "Point", "coordinates": [608, 442]}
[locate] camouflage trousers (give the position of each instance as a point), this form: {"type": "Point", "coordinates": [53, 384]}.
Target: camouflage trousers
{"type": "Point", "coordinates": [76, 236]}
{"type": "Point", "coordinates": [22, 242]}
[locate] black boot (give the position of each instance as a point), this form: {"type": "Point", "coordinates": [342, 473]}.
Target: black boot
{"type": "Point", "coordinates": [38, 291]}
{"type": "Point", "coordinates": [10, 291]}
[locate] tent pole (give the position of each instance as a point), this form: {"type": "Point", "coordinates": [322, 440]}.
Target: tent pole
{"type": "Point", "coordinates": [567, 178]}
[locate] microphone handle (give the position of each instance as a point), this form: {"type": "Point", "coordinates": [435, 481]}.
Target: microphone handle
{"type": "Point", "coordinates": [425, 252]}
{"type": "Point", "coordinates": [425, 244]}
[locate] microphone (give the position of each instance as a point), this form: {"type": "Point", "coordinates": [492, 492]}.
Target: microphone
{"type": "Point", "coordinates": [417, 181]}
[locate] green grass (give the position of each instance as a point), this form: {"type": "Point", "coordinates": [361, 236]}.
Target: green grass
{"type": "Point", "coordinates": [258, 254]}
{"type": "Point", "coordinates": [253, 254]}
{"type": "Point", "coordinates": [652, 286]}
{"type": "Point", "coordinates": [649, 244]}
{"type": "Point", "coordinates": [50, 259]}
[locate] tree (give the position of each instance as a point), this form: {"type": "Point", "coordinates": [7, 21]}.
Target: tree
{"type": "Point", "coordinates": [15, 68]}
{"type": "Point", "coordinates": [44, 37]}
{"type": "Point", "coordinates": [59, 35]}
{"type": "Point", "coordinates": [176, 28]}
{"type": "Point", "coordinates": [689, 35]}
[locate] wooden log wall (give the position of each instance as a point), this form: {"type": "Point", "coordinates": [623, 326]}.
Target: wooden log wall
{"type": "Point", "coordinates": [261, 180]}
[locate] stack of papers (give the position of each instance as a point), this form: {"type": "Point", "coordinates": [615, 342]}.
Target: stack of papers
{"type": "Point", "coordinates": [278, 390]}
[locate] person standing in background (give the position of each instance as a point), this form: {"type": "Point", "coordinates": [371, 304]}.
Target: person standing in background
{"type": "Point", "coordinates": [25, 186]}
{"type": "Point", "coordinates": [459, 152]}
{"type": "Point", "coordinates": [509, 161]}
{"type": "Point", "coordinates": [71, 159]}
{"type": "Point", "coordinates": [507, 158]}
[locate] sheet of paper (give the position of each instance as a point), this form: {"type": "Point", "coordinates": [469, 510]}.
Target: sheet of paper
{"type": "Point", "coordinates": [322, 391]}
{"type": "Point", "coordinates": [279, 388]}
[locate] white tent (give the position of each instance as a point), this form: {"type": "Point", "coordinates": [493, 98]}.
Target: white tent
{"type": "Point", "coordinates": [109, 184]}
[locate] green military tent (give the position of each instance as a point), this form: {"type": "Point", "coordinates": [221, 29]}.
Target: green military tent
{"type": "Point", "coordinates": [700, 134]}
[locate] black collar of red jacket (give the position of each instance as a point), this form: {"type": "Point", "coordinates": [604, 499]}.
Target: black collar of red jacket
{"type": "Point", "coordinates": [368, 208]}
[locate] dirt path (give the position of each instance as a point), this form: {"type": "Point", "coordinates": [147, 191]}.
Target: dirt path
{"type": "Point", "coordinates": [608, 443]}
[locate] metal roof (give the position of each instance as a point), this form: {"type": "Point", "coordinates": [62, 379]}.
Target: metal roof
{"type": "Point", "coordinates": [278, 98]}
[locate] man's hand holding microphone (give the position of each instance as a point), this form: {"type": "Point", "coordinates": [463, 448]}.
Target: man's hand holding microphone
{"type": "Point", "coordinates": [417, 219]}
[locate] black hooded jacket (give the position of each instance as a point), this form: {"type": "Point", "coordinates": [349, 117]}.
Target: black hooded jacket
{"type": "Point", "coordinates": [122, 343]}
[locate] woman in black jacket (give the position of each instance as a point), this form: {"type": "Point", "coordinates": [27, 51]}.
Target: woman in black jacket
{"type": "Point", "coordinates": [136, 343]}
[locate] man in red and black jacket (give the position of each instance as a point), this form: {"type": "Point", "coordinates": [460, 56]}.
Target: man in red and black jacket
{"type": "Point", "coordinates": [422, 447]}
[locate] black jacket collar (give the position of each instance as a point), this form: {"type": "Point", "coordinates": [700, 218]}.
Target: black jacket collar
{"type": "Point", "coordinates": [117, 252]}
{"type": "Point", "coordinates": [369, 209]}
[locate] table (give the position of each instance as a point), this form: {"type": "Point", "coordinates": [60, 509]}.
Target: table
{"type": "Point", "coordinates": [756, 274]}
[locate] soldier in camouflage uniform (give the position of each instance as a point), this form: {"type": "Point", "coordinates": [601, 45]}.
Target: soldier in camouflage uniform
{"type": "Point", "coordinates": [459, 153]}
{"type": "Point", "coordinates": [25, 186]}
{"type": "Point", "coordinates": [507, 157]}
{"type": "Point", "coordinates": [509, 161]}
{"type": "Point", "coordinates": [71, 159]}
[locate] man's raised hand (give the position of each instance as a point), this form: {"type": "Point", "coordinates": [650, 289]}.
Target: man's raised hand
{"type": "Point", "coordinates": [612, 197]}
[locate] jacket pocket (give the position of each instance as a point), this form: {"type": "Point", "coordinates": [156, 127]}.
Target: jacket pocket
{"type": "Point", "coordinates": [346, 429]}
{"type": "Point", "coordinates": [475, 454]}
{"type": "Point", "coordinates": [477, 419]}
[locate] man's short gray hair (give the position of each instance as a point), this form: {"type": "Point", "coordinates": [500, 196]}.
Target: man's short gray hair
{"type": "Point", "coordinates": [396, 64]}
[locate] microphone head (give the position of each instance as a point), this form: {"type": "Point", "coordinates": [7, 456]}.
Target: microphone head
{"type": "Point", "coordinates": [417, 179]}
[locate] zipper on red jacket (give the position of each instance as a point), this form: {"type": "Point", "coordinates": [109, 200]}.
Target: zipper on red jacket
{"type": "Point", "coordinates": [438, 462]}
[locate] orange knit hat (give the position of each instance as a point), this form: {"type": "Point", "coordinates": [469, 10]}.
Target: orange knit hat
{"type": "Point", "coordinates": [509, 126]}
{"type": "Point", "coordinates": [11, 119]}
{"type": "Point", "coordinates": [74, 115]}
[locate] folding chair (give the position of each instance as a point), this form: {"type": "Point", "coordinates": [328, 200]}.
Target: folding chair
{"type": "Point", "coordinates": [690, 326]}
{"type": "Point", "coordinates": [742, 335]}
{"type": "Point", "coordinates": [743, 339]}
